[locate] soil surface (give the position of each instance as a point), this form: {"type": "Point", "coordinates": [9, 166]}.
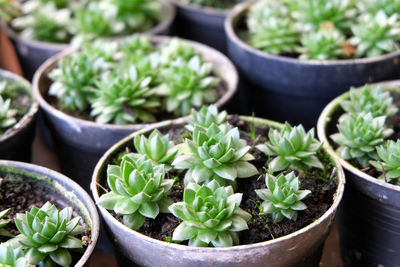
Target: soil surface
{"type": "Point", "coordinates": [323, 185]}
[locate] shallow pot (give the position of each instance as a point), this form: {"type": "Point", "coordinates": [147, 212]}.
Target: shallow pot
{"type": "Point", "coordinates": [310, 82]}
{"type": "Point", "coordinates": [304, 245]}
{"type": "Point", "coordinates": [33, 53]}
{"type": "Point", "coordinates": [369, 215]}
{"type": "Point", "coordinates": [80, 143]}
{"type": "Point", "coordinates": [69, 193]}
{"type": "Point", "coordinates": [16, 142]}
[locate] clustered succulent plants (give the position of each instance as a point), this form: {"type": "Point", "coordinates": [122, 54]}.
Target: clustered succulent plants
{"type": "Point", "coordinates": [325, 30]}
{"type": "Point", "coordinates": [58, 20]}
{"type": "Point", "coordinates": [209, 158]}
{"type": "Point", "coordinates": [364, 132]}
{"type": "Point", "coordinates": [130, 81]}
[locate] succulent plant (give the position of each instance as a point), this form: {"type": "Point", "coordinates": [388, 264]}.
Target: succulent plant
{"type": "Point", "coordinates": [389, 161]}
{"type": "Point", "coordinates": [3, 223]}
{"type": "Point", "coordinates": [157, 147]}
{"type": "Point", "coordinates": [8, 10]}
{"type": "Point", "coordinates": [293, 147]}
{"type": "Point", "coordinates": [206, 116]}
{"type": "Point", "coordinates": [215, 153]}
{"type": "Point", "coordinates": [10, 257]}
{"type": "Point", "coordinates": [282, 197]}
{"type": "Point", "coordinates": [138, 190]}
{"type": "Point", "coordinates": [47, 234]}
{"type": "Point", "coordinates": [211, 216]}
{"type": "Point", "coordinates": [376, 34]}
{"type": "Point", "coordinates": [7, 115]}
{"type": "Point", "coordinates": [359, 135]}
{"type": "Point", "coordinates": [175, 48]}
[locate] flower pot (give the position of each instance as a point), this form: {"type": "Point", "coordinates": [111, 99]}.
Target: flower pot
{"type": "Point", "coordinates": [33, 53]}
{"type": "Point", "coordinates": [80, 143]}
{"type": "Point", "coordinates": [305, 245]}
{"type": "Point", "coordinates": [66, 192]}
{"type": "Point", "coordinates": [369, 215]}
{"type": "Point", "coordinates": [16, 142]}
{"type": "Point", "coordinates": [201, 24]}
{"type": "Point", "coordinates": [309, 83]}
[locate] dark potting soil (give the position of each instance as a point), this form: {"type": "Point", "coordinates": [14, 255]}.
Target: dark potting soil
{"type": "Point", "coordinates": [322, 183]}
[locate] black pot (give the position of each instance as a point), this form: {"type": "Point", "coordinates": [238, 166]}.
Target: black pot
{"type": "Point", "coordinates": [32, 53]}
{"type": "Point", "coordinates": [369, 215]}
{"type": "Point", "coordinates": [69, 193]}
{"type": "Point", "coordinates": [80, 143]}
{"type": "Point", "coordinates": [305, 83]}
{"type": "Point", "coordinates": [201, 24]}
{"type": "Point", "coordinates": [16, 142]}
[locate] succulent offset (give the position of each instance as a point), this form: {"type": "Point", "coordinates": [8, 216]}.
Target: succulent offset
{"type": "Point", "coordinates": [282, 197]}
{"type": "Point", "coordinates": [211, 216]}
{"type": "Point", "coordinates": [10, 257]}
{"type": "Point", "coordinates": [291, 147]}
{"type": "Point", "coordinates": [138, 190]}
{"type": "Point", "coordinates": [389, 161]}
{"type": "Point", "coordinates": [207, 116]}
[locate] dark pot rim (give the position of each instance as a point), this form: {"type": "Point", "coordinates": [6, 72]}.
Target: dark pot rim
{"type": "Point", "coordinates": [325, 118]}
{"type": "Point", "coordinates": [332, 209]}
{"type": "Point", "coordinates": [231, 80]}
{"type": "Point", "coordinates": [68, 189]}
{"type": "Point", "coordinates": [201, 9]}
{"type": "Point", "coordinates": [169, 13]}
{"type": "Point", "coordinates": [237, 15]}
{"type": "Point", "coordinates": [29, 116]}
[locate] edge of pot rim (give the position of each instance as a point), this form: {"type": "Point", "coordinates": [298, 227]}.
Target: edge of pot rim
{"type": "Point", "coordinates": [34, 108]}
{"type": "Point", "coordinates": [241, 8]}
{"type": "Point", "coordinates": [325, 118]}
{"type": "Point", "coordinates": [159, 27]}
{"type": "Point", "coordinates": [91, 209]}
{"type": "Point", "coordinates": [199, 8]}
{"type": "Point", "coordinates": [76, 122]}
{"type": "Point", "coordinates": [93, 187]}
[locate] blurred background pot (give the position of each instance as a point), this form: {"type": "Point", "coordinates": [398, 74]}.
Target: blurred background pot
{"type": "Point", "coordinates": [301, 248]}
{"type": "Point", "coordinates": [369, 215]}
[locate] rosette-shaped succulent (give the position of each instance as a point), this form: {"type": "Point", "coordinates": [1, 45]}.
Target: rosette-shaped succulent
{"type": "Point", "coordinates": [3, 223]}
{"type": "Point", "coordinates": [359, 135]}
{"type": "Point", "coordinates": [390, 7]}
{"type": "Point", "coordinates": [282, 197]}
{"type": "Point", "coordinates": [47, 234]}
{"type": "Point", "coordinates": [389, 161]}
{"type": "Point", "coordinates": [215, 153]}
{"type": "Point", "coordinates": [138, 190]}
{"type": "Point", "coordinates": [207, 116]}
{"type": "Point", "coordinates": [10, 257]}
{"type": "Point", "coordinates": [176, 48]}
{"type": "Point", "coordinates": [293, 147]}
{"type": "Point", "coordinates": [7, 115]}
{"type": "Point", "coordinates": [211, 216]}
{"type": "Point", "coordinates": [157, 147]}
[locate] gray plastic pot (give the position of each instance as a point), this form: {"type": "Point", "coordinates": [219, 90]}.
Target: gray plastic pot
{"type": "Point", "coordinates": [16, 142]}
{"type": "Point", "coordinates": [301, 248]}
{"type": "Point", "coordinates": [305, 83]}
{"type": "Point", "coordinates": [33, 53]}
{"type": "Point", "coordinates": [80, 143]}
{"type": "Point", "coordinates": [369, 215]}
{"type": "Point", "coordinates": [69, 193]}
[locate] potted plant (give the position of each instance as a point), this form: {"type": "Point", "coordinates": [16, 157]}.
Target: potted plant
{"type": "Point", "coordinates": [168, 191]}
{"type": "Point", "coordinates": [301, 55]}
{"type": "Point", "coordinates": [46, 218]}
{"type": "Point", "coordinates": [18, 110]}
{"type": "Point", "coordinates": [44, 28]}
{"type": "Point", "coordinates": [129, 85]}
{"type": "Point", "coordinates": [359, 128]}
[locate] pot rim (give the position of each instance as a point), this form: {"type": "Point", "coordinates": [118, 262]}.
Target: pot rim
{"type": "Point", "coordinates": [93, 187]}
{"type": "Point", "coordinates": [166, 21]}
{"type": "Point", "coordinates": [60, 182]}
{"type": "Point", "coordinates": [202, 9]}
{"type": "Point", "coordinates": [240, 9]}
{"type": "Point", "coordinates": [78, 122]}
{"type": "Point", "coordinates": [28, 116]}
{"type": "Point", "coordinates": [325, 118]}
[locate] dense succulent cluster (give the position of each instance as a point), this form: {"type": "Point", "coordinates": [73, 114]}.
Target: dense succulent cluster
{"type": "Point", "coordinates": [8, 10]}
{"type": "Point", "coordinates": [3, 223]}
{"type": "Point", "coordinates": [365, 28]}
{"type": "Point", "coordinates": [389, 161]}
{"type": "Point", "coordinates": [207, 116]}
{"type": "Point", "coordinates": [132, 80]}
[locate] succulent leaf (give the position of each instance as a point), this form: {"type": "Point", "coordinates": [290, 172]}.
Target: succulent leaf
{"type": "Point", "coordinates": [7, 115]}
{"type": "Point", "coordinates": [206, 116]}
{"type": "Point", "coordinates": [389, 161]}
{"type": "Point", "coordinates": [10, 257]}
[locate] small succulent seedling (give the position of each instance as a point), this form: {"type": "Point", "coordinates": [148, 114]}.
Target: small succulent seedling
{"type": "Point", "coordinates": [10, 257]}
{"type": "Point", "coordinates": [7, 115]}
{"type": "Point", "coordinates": [3, 223]}
{"type": "Point", "coordinates": [157, 147]}
{"type": "Point", "coordinates": [215, 153]}
{"type": "Point", "coordinates": [47, 234]}
{"type": "Point", "coordinates": [206, 116]}
{"type": "Point", "coordinates": [282, 197]}
{"type": "Point", "coordinates": [293, 147]}
{"type": "Point", "coordinates": [138, 190]}
{"type": "Point", "coordinates": [359, 135]}
{"type": "Point", "coordinates": [389, 161]}
{"type": "Point", "coordinates": [211, 216]}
